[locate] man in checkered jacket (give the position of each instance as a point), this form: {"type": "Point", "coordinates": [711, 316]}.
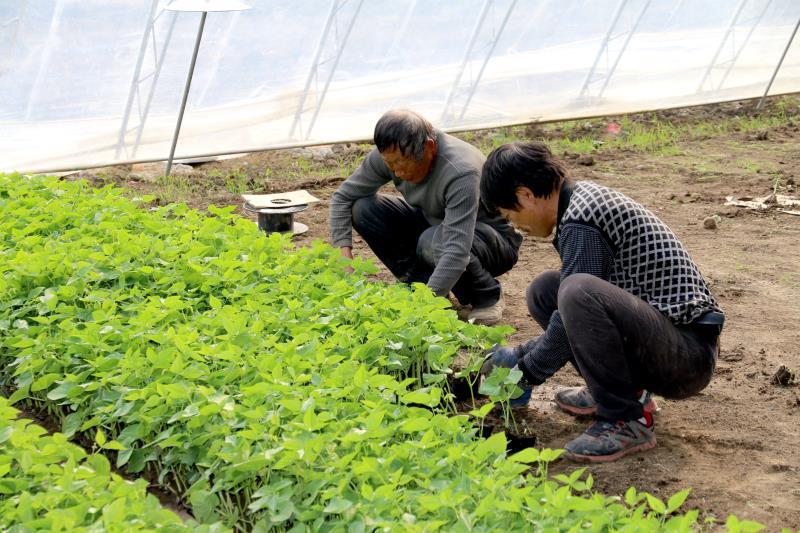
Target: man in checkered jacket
{"type": "Point", "coordinates": [629, 308]}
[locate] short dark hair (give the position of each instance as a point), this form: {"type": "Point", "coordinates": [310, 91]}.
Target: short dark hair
{"type": "Point", "coordinates": [404, 129]}
{"type": "Point", "coordinates": [520, 164]}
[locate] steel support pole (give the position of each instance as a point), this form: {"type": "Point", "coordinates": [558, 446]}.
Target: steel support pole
{"type": "Point", "coordinates": [624, 47]}
{"type": "Point", "coordinates": [153, 85]}
{"type": "Point", "coordinates": [778, 67]}
{"type": "Point", "coordinates": [738, 12]}
{"type": "Point", "coordinates": [186, 92]}
{"type": "Point", "coordinates": [486, 59]}
{"type": "Point", "coordinates": [473, 38]}
{"type": "Point", "coordinates": [603, 46]}
{"type": "Point", "coordinates": [744, 43]}
{"type": "Point", "coordinates": [314, 66]}
{"type": "Point", "coordinates": [333, 69]}
{"type": "Point", "coordinates": [135, 80]}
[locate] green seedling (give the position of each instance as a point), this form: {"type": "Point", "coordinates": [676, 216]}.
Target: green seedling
{"type": "Point", "coordinates": [257, 381]}
{"type": "Point", "coordinates": [501, 387]}
{"type": "Point", "coordinates": [471, 374]}
{"type": "Point", "coordinates": [481, 413]}
{"type": "Point", "coordinates": [46, 483]}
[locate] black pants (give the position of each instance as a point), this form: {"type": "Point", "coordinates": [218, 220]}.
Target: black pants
{"type": "Point", "coordinates": [410, 247]}
{"type": "Point", "coordinates": [621, 344]}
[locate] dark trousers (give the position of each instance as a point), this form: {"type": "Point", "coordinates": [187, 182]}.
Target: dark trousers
{"type": "Point", "coordinates": [410, 247]}
{"type": "Point", "coordinates": [621, 344]}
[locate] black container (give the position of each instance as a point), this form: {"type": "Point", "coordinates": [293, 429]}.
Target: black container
{"type": "Point", "coordinates": [278, 219]}
{"type": "Point", "coordinates": [275, 222]}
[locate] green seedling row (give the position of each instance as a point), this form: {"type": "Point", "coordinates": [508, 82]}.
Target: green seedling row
{"type": "Point", "coordinates": [261, 383]}
{"type": "Point", "coordinates": [49, 484]}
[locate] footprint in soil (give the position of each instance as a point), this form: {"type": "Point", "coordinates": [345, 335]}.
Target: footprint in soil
{"type": "Point", "coordinates": [734, 354]}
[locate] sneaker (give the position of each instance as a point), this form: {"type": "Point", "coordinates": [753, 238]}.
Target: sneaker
{"type": "Point", "coordinates": [506, 358]}
{"type": "Point", "coordinates": [488, 316]}
{"type": "Point", "coordinates": [608, 441]}
{"type": "Point", "coordinates": [578, 401]}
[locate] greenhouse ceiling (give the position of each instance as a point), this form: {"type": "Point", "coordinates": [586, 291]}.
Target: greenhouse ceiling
{"type": "Point", "coordinates": [89, 82]}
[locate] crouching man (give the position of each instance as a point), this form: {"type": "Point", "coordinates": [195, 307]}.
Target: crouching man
{"type": "Point", "coordinates": [629, 308]}
{"type": "Point", "coordinates": [438, 232]}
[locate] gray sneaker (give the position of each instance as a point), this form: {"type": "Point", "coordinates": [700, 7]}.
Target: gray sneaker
{"type": "Point", "coordinates": [608, 441]}
{"type": "Point", "coordinates": [578, 401]}
{"type": "Point", "coordinates": [488, 316]}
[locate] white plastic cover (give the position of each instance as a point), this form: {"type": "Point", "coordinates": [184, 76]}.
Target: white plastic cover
{"type": "Point", "coordinates": [93, 82]}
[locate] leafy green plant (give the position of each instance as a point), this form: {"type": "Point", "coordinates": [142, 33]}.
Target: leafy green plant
{"type": "Point", "coordinates": [46, 483]}
{"type": "Point", "coordinates": [501, 387]}
{"type": "Point", "coordinates": [470, 373]}
{"type": "Point", "coordinates": [255, 380]}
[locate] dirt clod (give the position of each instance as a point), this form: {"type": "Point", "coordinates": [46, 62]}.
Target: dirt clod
{"type": "Point", "coordinates": [710, 222]}
{"type": "Point", "coordinates": [585, 160]}
{"type": "Point", "coordinates": [784, 377]}
{"type": "Point", "coordinates": [151, 172]}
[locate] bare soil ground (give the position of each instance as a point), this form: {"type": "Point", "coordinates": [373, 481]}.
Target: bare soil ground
{"type": "Point", "coordinates": [737, 443]}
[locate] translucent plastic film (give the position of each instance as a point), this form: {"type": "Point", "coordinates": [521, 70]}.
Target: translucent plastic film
{"type": "Point", "coordinates": [94, 82]}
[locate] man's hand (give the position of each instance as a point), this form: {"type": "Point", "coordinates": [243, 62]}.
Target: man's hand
{"type": "Point", "coordinates": [347, 251]}
{"type": "Point", "coordinates": [497, 355]}
{"type": "Point", "coordinates": [500, 356]}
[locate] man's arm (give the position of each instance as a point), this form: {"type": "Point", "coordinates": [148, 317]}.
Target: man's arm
{"type": "Point", "coordinates": [370, 176]}
{"type": "Point", "coordinates": [583, 250]}
{"type": "Point", "coordinates": [458, 230]}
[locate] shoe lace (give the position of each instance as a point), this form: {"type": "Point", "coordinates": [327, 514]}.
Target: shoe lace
{"type": "Point", "coordinates": [608, 428]}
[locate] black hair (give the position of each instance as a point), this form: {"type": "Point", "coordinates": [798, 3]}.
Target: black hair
{"type": "Point", "coordinates": [406, 130]}
{"type": "Point", "coordinates": [520, 164]}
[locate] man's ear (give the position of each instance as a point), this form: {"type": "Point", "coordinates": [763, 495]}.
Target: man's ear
{"type": "Point", "coordinates": [524, 196]}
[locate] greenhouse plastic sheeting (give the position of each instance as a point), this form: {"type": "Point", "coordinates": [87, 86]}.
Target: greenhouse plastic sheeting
{"type": "Point", "coordinates": [95, 82]}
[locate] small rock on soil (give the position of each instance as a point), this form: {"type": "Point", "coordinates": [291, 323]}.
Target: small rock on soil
{"type": "Point", "coordinates": [784, 377]}
{"type": "Point", "coordinates": [711, 222]}
{"type": "Point", "coordinates": [150, 172]}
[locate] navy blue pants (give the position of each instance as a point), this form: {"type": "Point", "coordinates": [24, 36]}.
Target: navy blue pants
{"type": "Point", "coordinates": [410, 247]}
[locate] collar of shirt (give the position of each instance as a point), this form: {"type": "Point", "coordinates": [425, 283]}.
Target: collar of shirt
{"type": "Point", "coordinates": [564, 196]}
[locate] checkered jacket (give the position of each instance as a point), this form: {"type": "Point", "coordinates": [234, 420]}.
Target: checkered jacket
{"type": "Point", "coordinates": [647, 259]}
{"type": "Point", "coordinates": [606, 234]}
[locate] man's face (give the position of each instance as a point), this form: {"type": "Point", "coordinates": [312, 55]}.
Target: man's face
{"type": "Point", "coordinates": [407, 168]}
{"type": "Point", "coordinates": [534, 215]}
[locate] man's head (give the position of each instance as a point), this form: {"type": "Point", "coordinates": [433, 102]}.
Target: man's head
{"type": "Point", "coordinates": [407, 143]}
{"type": "Point", "coordinates": [523, 180]}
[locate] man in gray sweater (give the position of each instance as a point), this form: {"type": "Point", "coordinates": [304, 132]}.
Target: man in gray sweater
{"type": "Point", "coordinates": [438, 233]}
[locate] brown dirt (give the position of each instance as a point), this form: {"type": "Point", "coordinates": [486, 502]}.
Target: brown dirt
{"type": "Point", "coordinates": [736, 443]}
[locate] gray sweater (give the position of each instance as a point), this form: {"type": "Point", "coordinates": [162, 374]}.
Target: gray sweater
{"type": "Point", "coordinates": [449, 195]}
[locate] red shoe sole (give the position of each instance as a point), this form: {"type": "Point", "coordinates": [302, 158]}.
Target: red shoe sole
{"type": "Point", "coordinates": [609, 458]}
